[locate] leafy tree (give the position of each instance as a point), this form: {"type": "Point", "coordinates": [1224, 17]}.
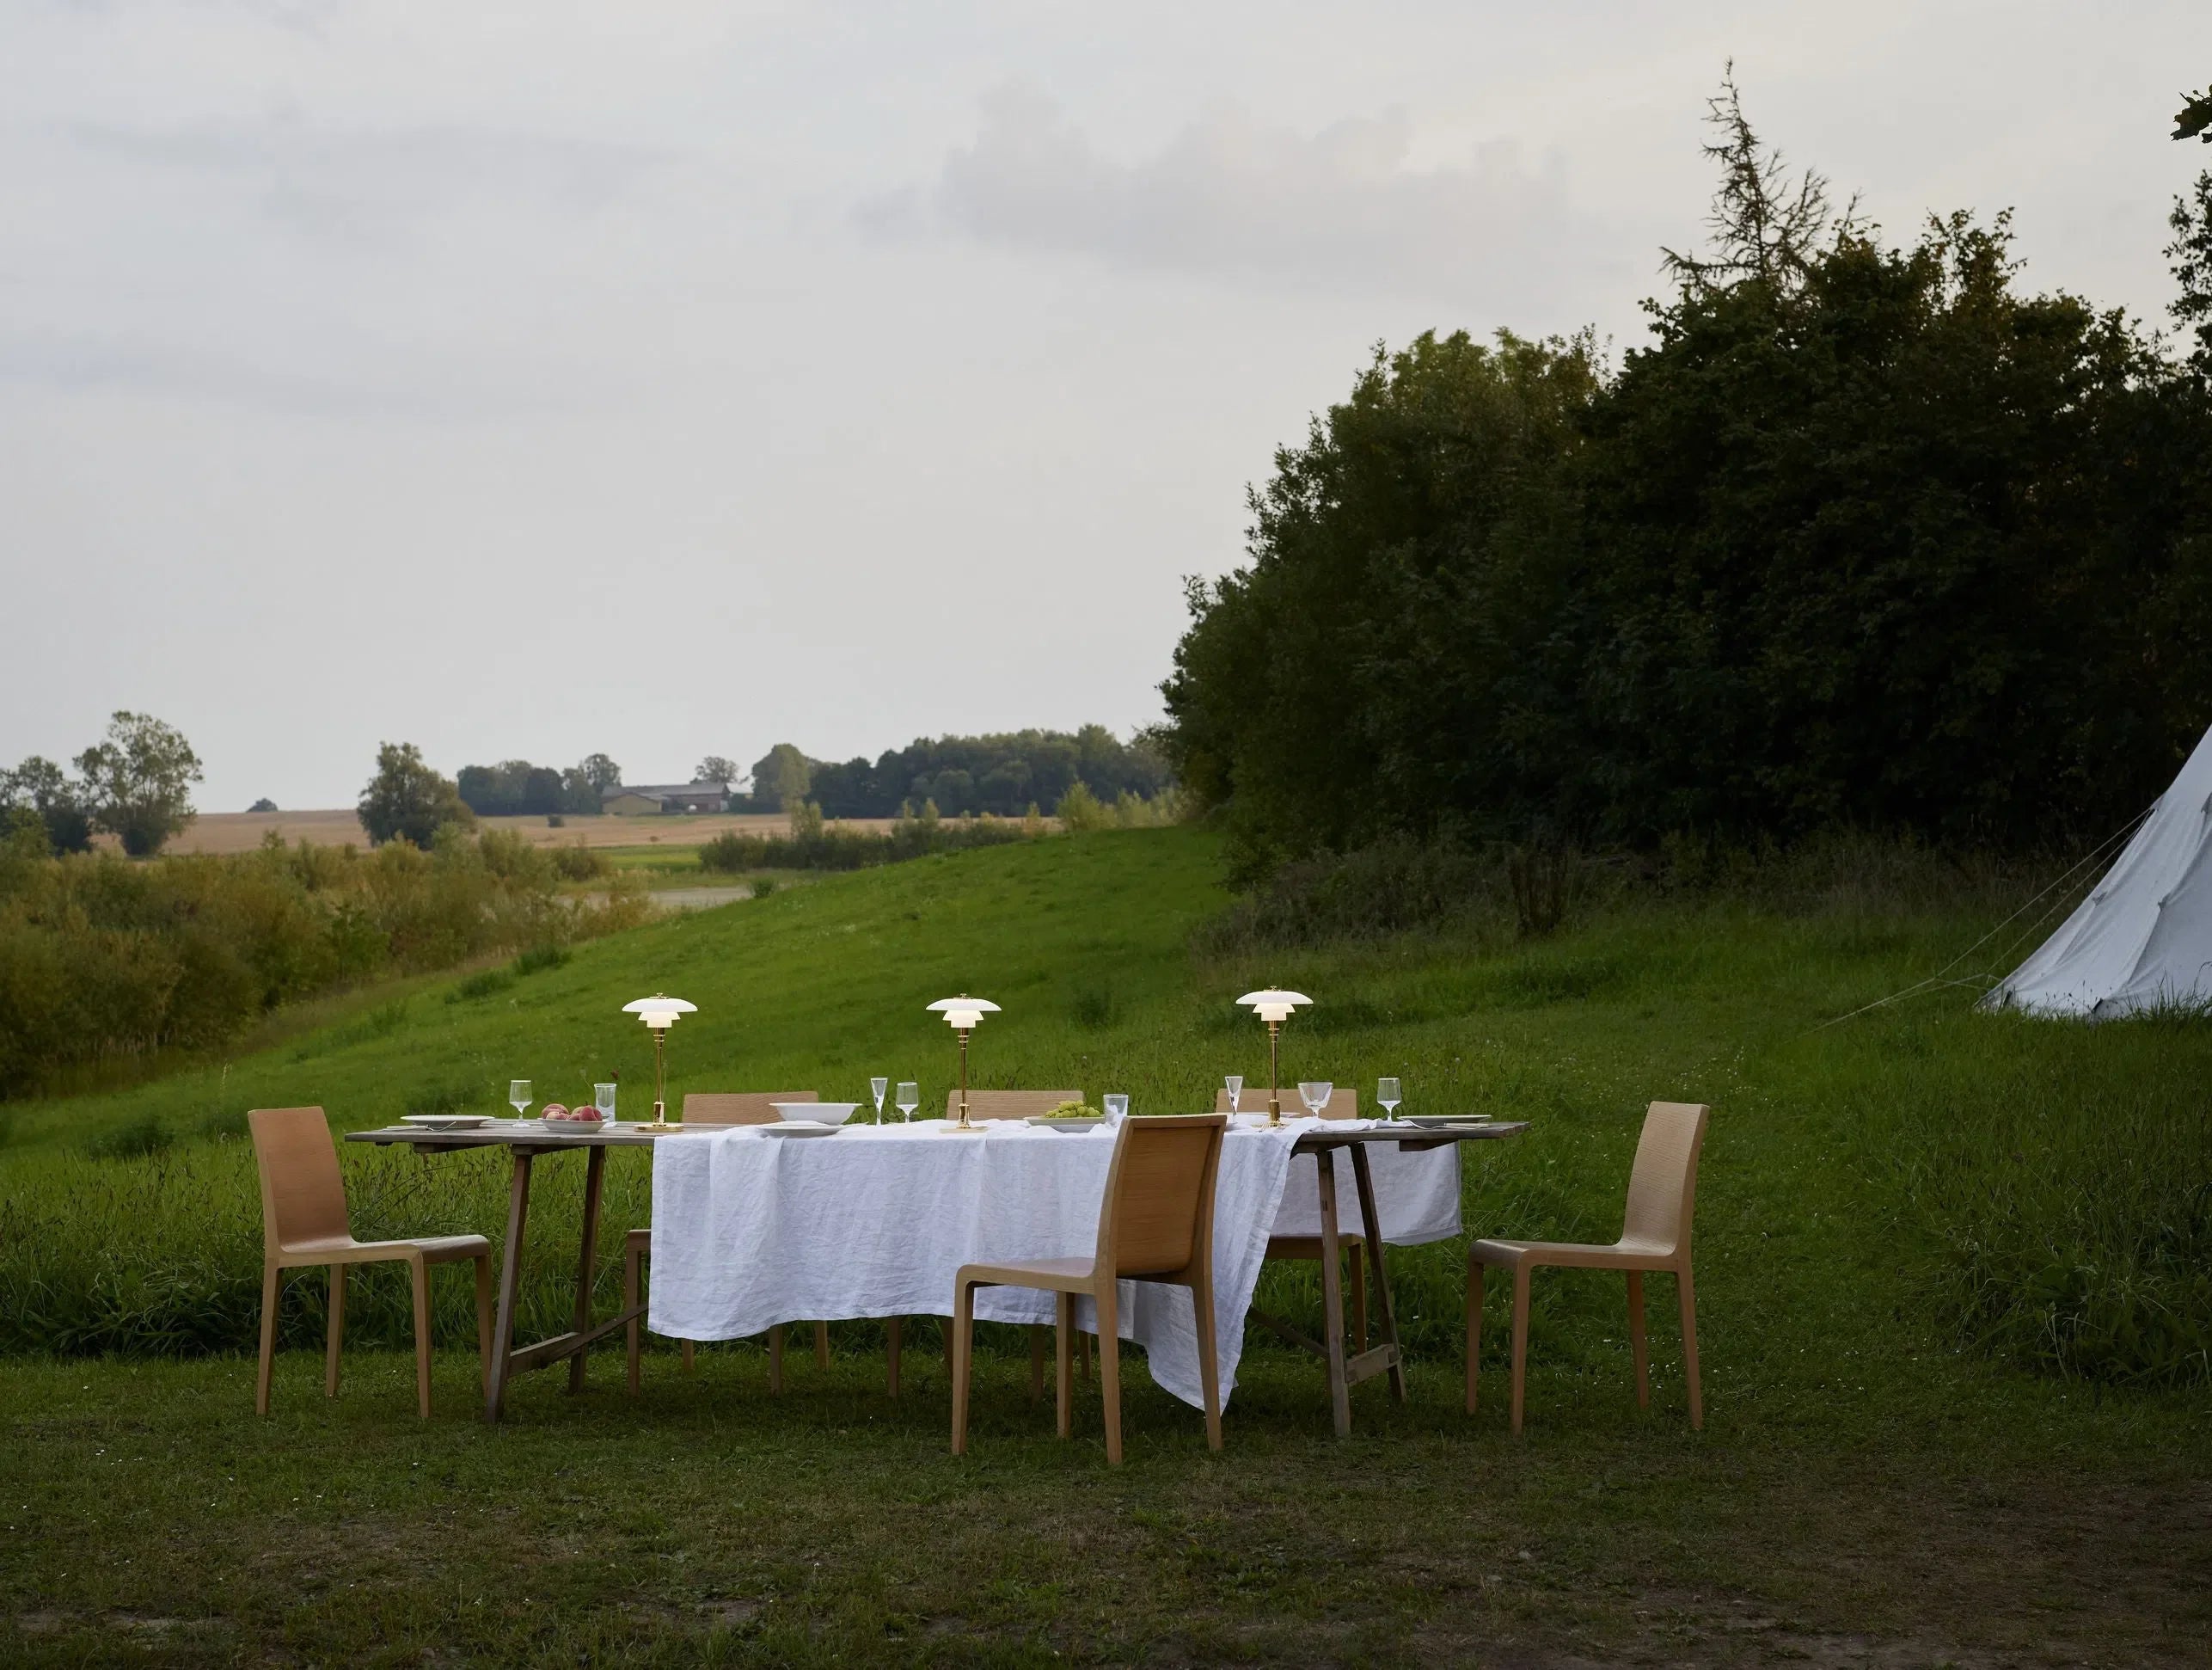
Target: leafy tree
{"type": "Point", "coordinates": [2194, 119]}
{"type": "Point", "coordinates": [38, 788]}
{"type": "Point", "coordinates": [715, 768]}
{"type": "Point", "coordinates": [264, 804]}
{"type": "Point", "coordinates": [138, 782]}
{"type": "Point", "coordinates": [584, 785]}
{"type": "Point", "coordinates": [781, 779]}
{"type": "Point", "coordinates": [2191, 253]}
{"type": "Point", "coordinates": [406, 801]}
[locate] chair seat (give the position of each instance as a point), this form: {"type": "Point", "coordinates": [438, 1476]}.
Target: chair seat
{"type": "Point", "coordinates": [1306, 1246]}
{"type": "Point", "coordinates": [434, 1249]}
{"type": "Point", "coordinates": [1620, 1256]}
{"type": "Point", "coordinates": [1059, 1275]}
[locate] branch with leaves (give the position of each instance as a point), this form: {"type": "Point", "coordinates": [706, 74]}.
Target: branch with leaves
{"type": "Point", "coordinates": [2194, 119]}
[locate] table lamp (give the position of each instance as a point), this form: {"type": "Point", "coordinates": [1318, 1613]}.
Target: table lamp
{"type": "Point", "coordinates": [659, 1013]}
{"type": "Point", "coordinates": [963, 1014]}
{"type": "Point", "coordinates": [1274, 1007]}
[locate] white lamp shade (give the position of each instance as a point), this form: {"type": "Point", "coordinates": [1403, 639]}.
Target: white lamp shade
{"type": "Point", "coordinates": [1273, 1005]}
{"type": "Point", "coordinates": [659, 1013]}
{"type": "Point", "coordinates": [963, 1014]}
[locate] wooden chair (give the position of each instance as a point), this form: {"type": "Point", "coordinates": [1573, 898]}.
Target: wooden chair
{"type": "Point", "coordinates": [717, 1108]}
{"type": "Point", "coordinates": [998, 1104]}
{"type": "Point", "coordinates": [304, 1223]}
{"type": "Point", "coordinates": [1654, 1235]}
{"type": "Point", "coordinates": [1156, 1223]}
{"type": "Point", "coordinates": [1342, 1104]}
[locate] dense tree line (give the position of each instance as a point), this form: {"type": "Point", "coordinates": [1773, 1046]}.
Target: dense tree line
{"type": "Point", "coordinates": [516, 788]}
{"type": "Point", "coordinates": [135, 784]}
{"type": "Point", "coordinates": [1005, 774]}
{"type": "Point", "coordinates": [1866, 537]}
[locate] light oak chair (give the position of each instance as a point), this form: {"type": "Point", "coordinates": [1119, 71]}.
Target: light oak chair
{"type": "Point", "coordinates": [1655, 1236]}
{"type": "Point", "coordinates": [304, 1223]}
{"type": "Point", "coordinates": [997, 1104]}
{"type": "Point", "coordinates": [1342, 1104]}
{"type": "Point", "coordinates": [1156, 1223]}
{"type": "Point", "coordinates": [716, 1108]}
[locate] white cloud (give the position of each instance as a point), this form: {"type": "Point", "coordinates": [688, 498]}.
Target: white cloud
{"type": "Point", "coordinates": [1344, 207]}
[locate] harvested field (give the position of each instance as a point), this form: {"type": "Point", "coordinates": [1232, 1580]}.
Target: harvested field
{"type": "Point", "coordinates": [242, 832]}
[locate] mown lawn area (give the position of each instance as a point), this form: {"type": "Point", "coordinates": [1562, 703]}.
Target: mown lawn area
{"type": "Point", "coordinates": [1945, 1269]}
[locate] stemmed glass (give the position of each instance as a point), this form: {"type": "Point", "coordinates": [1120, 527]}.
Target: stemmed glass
{"type": "Point", "coordinates": [1386, 1092]}
{"type": "Point", "coordinates": [518, 1095]}
{"type": "Point", "coordinates": [877, 1087]}
{"type": "Point", "coordinates": [1234, 1085]}
{"type": "Point", "coordinates": [909, 1098]}
{"type": "Point", "coordinates": [1315, 1094]}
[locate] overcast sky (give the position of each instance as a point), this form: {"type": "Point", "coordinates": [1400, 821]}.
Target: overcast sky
{"type": "Point", "coordinates": [532, 377]}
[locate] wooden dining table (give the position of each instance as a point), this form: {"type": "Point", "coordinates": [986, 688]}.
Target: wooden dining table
{"type": "Point", "coordinates": [527, 1141]}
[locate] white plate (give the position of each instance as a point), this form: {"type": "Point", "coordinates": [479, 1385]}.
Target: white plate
{"type": "Point", "coordinates": [793, 1127]}
{"type": "Point", "coordinates": [446, 1121]}
{"type": "Point", "coordinates": [1051, 1124]}
{"type": "Point", "coordinates": [814, 1113]}
{"type": "Point", "coordinates": [561, 1128]}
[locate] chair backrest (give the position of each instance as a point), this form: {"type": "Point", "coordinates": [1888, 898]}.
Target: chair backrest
{"type": "Point", "coordinates": [303, 1196]}
{"type": "Point", "coordinates": [1662, 1186]}
{"type": "Point", "coordinates": [1158, 1215]}
{"type": "Point", "coordinates": [1343, 1102]}
{"type": "Point", "coordinates": [1008, 1104]}
{"type": "Point", "coordinates": [739, 1107]}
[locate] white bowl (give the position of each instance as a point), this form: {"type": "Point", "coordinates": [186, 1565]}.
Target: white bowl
{"type": "Point", "coordinates": [814, 1113]}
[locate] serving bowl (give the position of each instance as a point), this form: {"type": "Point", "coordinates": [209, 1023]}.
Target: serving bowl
{"type": "Point", "coordinates": [814, 1113]}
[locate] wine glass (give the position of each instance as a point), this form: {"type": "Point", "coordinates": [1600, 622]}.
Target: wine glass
{"type": "Point", "coordinates": [909, 1098]}
{"type": "Point", "coordinates": [876, 1088]}
{"type": "Point", "coordinates": [1315, 1094]}
{"type": "Point", "coordinates": [1386, 1092]}
{"type": "Point", "coordinates": [602, 1097]}
{"type": "Point", "coordinates": [518, 1095]}
{"type": "Point", "coordinates": [1234, 1085]}
{"type": "Point", "coordinates": [1117, 1107]}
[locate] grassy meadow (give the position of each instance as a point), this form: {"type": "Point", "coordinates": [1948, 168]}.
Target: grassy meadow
{"type": "Point", "coordinates": [1951, 1275]}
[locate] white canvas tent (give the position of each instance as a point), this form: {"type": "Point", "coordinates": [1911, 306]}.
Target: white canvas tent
{"type": "Point", "coordinates": [2143, 938]}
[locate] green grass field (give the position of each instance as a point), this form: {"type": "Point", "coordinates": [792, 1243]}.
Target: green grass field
{"type": "Point", "coordinates": [1952, 1272]}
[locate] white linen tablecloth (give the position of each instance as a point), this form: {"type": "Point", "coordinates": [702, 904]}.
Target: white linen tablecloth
{"type": "Point", "coordinates": [749, 1230]}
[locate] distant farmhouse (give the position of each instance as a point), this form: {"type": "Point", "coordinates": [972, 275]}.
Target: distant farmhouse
{"type": "Point", "coordinates": [645, 800]}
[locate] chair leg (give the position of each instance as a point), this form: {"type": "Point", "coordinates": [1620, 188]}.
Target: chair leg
{"type": "Point", "coordinates": [420, 1272]}
{"type": "Point", "coordinates": [964, 1303]}
{"type": "Point", "coordinates": [1063, 1361]}
{"type": "Point", "coordinates": [822, 1345]}
{"type": "Point", "coordinates": [1474, 1328]}
{"type": "Point", "coordinates": [1690, 1347]}
{"type": "Point", "coordinates": [1359, 1261]}
{"type": "Point", "coordinates": [631, 1340]}
{"type": "Point", "coordinates": [893, 1329]}
{"type": "Point", "coordinates": [1036, 1361]}
{"type": "Point", "coordinates": [691, 1354]}
{"type": "Point", "coordinates": [775, 1358]}
{"type": "Point", "coordinates": [336, 1337]}
{"type": "Point", "coordinates": [484, 1317]}
{"type": "Point", "coordinates": [1210, 1378]}
{"type": "Point", "coordinates": [1109, 1367]}
{"type": "Point", "coordinates": [271, 1289]}
{"type": "Point", "coordinates": [1521, 1274]}
{"type": "Point", "coordinates": [1638, 1349]}
{"type": "Point", "coordinates": [1083, 1354]}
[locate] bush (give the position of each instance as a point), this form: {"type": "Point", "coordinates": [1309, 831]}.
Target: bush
{"type": "Point", "coordinates": [814, 845]}
{"type": "Point", "coordinates": [103, 958]}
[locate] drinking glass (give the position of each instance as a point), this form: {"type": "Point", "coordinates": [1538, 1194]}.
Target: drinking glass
{"type": "Point", "coordinates": [602, 1097]}
{"type": "Point", "coordinates": [1315, 1094]}
{"type": "Point", "coordinates": [877, 1087]}
{"type": "Point", "coordinates": [1386, 1092]}
{"type": "Point", "coordinates": [518, 1095]}
{"type": "Point", "coordinates": [1117, 1108]}
{"type": "Point", "coordinates": [909, 1098]}
{"type": "Point", "coordinates": [1234, 1085]}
